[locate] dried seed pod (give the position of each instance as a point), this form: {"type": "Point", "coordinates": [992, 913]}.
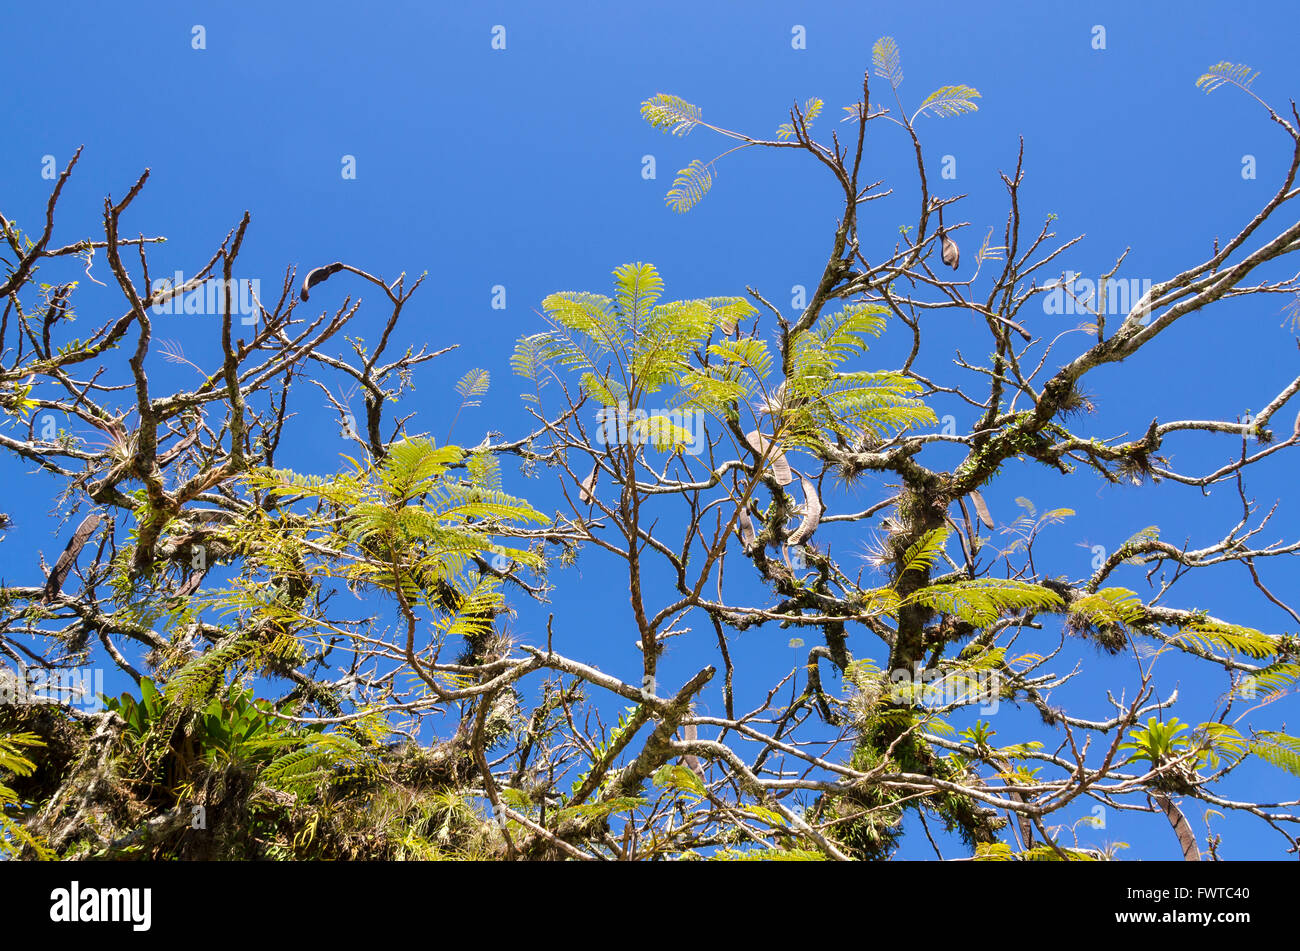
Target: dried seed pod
{"type": "Point", "coordinates": [587, 488]}
{"type": "Point", "coordinates": [170, 455]}
{"type": "Point", "coordinates": [317, 275]}
{"type": "Point", "coordinates": [691, 734]}
{"type": "Point", "coordinates": [1178, 822]}
{"type": "Point", "coordinates": [191, 583]}
{"type": "Point", "coordinates": [54, 584]}
{"type": "Point", "coordinates": [951, 253]}
{"type": "Point", "coordinates": [812, 513]}
{"type": "Point", "coordinates": [982, 510]}
{"type": "Point", "coordinates": [780, 465]}
{"type": "Point", "coordinates": [745, 528]}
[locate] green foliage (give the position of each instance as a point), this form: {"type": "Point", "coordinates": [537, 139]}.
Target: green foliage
{"type": "Point", "coordinates": [925, 551]}
{"type": "Point", "coordinates": [1236, 74]}
{"type": "Point", "coordinates": [811, 110]}
{"type": "Point", "coordinates": [887, 60]}
{"type": "Point", "coordinates": [1109, 606]}
{"type": "Point", "coordinates": [1210, 635]}
{"type": "Point", "coordinates": [1157, 741]}
{"type": "Point", "coordinates": [14, 838]}
{"type": "Point", "coordinates": [1150, 533]}
{"type": "Point", "coordinates": [1002, 852]}
{"type": "Point", "coordinates": [690, 186]}
{"type": "Point", "coordinates": [1278, 749]}
{"type": "Point", "coordinates": [948, 101]}
{"type": "Point", "coordinates": [821, 397]}
{"type": "Point", "coordinates": [982, 601]}
{"type": "Point", "coordinates": [472, 385]}
{"type": "Point", "coordinates": [672, 114]}
{"type": "Point", "coordinates": [410, 524]}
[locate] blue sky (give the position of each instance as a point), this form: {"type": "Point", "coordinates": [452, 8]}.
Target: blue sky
{"type": "Point", "coordinates": [522, 167]}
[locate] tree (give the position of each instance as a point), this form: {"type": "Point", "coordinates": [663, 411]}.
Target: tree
{"type": "Point", "coordinates": [948, 609]}
{"type": "Point", "coordinates": [244, 585]}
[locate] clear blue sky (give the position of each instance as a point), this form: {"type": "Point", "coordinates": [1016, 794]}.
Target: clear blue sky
{"type": "Point", "coordinates": [522, 168]}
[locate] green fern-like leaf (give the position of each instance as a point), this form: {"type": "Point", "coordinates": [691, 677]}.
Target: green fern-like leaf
{"type": "Point", "coordinates": [1222, 743]}
{"type": "Point", "coordinates": [1109, 606]}
{"type": "Point", "coordinates": [1212, 635]}
{"type": "Point", "coordinates": [638, 286]}
{"type": "Point", "coordinates": [983, 601]}
{"type": "Point", "coordinates": [531, 354]}
{"type": "Point", "coordinates": [1278, 749]}
{"type": "Point", "coordinates": [473, 384]}
{"type": "Point", "coordinates": [689, 187]}
{"type": "Point", "coordinates": [925, 551]}
{"type": "Point", "coordinates": [887, 59]}
{"type": "Point", "coordinates": [672, 114]}
{"type": "Point", "coordinates": [1274, 680]}
{"type": "Point", "coordinates": [1223, 72]}
{"type": "Point", "coordinates": [948, 101]}
{"type": "Point", "coordinates": [811, 110]}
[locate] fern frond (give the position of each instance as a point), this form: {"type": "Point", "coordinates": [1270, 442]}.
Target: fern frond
{"type": "Point", "coordinates": [672, 114]}
{"type": "Point", "coordinates": [531, 354]}
{"type": "Point", "coordinates": [887, 59]}
{"type": "Point", "coordinates": [1275, 679]}
{"type": "Point", "coordinates": [982, 601]}
{"type": "Point", "coordinates": [1150, 533]}
{"type": "Point", "coordinates": [1210, 635]}
{"type": "Point", "coordinates": [1278, 749]}
{"type": "Point", "coordinates": [1109, 606]}
{"type": "Point", "coordinates": [637, 288]}
{"type": "Point", "coordinates": [473, 384]}
{"type": "Point", "coordinates": [811, 110]}
{"type": "Point", "coordinates": [925, 551]}
{"type": "Point", "coordinates": [948, 101]}
{"type": "Point", "coordinates": [1223, 72]}
{"type": "Point", "coordinates": [689, 187]}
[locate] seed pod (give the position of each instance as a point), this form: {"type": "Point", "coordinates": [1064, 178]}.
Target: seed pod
{"type": "Point", "coordinates": [587, 488]}
{"type": "Point", "coordinates": [951, 253]}
{"type": "Point", "coordinates": [691, 734]}
{"type": "Point", "coordinates": [191, 583]}
{"type": "Point", "coordinates": [314, 277]}
{"type": "Point", "coordinates": [745, 528]}
{"type": "Point", "coordinates": [812, 513]}
{"type": "Point", "coordinates": [982, 510]}
{"type": "Point", "coordinates": [54, 584]}
{"type": "Point", "coordinates": [780, 466]}
{"type": "Point", "coordinates": [170, 455]}
{"type": "Point", "coordinates": [1178, 822]}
